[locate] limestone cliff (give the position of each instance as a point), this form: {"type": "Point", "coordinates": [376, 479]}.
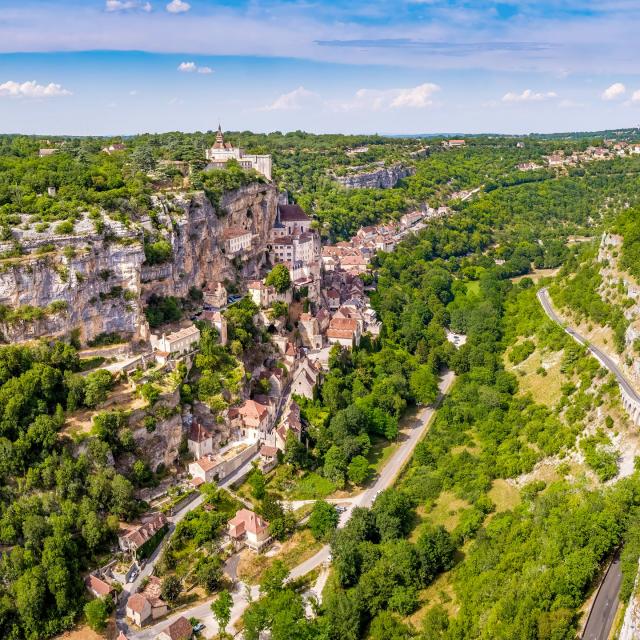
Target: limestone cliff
{"type": "Point", "coordinates": [96, 282]}
{"type": "Point", "coordinates": [382, 178]}
{"type": "Point", "coordinates": [195, 231]}
{"type": "Point", "coordinates": [87, 281]}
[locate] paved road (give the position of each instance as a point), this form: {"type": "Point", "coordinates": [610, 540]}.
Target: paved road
{"type": "Point", "coordinates": [603, 610]}
{"type": "Point", "coordinates": [386, 479]}
{"type": "Point", "coordinates": [604, 607]}
{"type": "Point", "coordinates": [605, 360]}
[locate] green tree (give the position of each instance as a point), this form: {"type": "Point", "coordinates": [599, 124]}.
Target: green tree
{"type": "Point", "coordinates": [358, 470]}
{"type": "Point", "coordinates": [323, 520]}
{"type": "Point", "coordinates": [279, 278]}
{"type": "Point", "coordinates": [97, 386]}
{"type": "Point", "coordinates": [221, 609]}
{"type": "Point", "coordinates": [97, 612]}
{"type": "Point", "coordinates": [424, 385]}
{"type": "Point", "coordinates": [171, 589]}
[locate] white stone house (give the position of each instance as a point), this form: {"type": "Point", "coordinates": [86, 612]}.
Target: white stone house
{"type": "Point", "coordinates": [236, 240]}
{"type": "Point", "coordinates": [250, 529]}
{"type": "Point", "coordinates": [178, 343]}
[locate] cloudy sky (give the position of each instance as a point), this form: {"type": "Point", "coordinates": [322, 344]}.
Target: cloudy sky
{"type": "Point", "coordinates": [387, 66]}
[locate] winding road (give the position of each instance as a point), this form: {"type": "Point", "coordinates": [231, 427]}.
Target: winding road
{"type": "Point", "coordinates": [604, 607]}
{"type": "Point", "coordinates": [243, 594]}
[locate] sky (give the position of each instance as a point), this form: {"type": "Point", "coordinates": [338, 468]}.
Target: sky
{"type": "Point", "coordinates": [116, 67]}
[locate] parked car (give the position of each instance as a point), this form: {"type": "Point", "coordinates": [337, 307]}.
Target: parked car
{"type": "Point", "coordinates": [198, 628]}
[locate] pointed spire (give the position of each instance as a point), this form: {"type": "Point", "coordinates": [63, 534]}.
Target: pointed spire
{"type": "Point", "coordinates": [219, 138]}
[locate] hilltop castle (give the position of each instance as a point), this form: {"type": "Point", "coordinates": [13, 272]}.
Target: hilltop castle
{"type": "Point", "coordinates": [221, 152]}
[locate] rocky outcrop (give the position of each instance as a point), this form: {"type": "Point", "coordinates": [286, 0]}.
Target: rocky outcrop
{"type": "Point", "coordinates": [195, 230]}
{"type": "Point", "coordinates": [96, 283]}
{"type": "Point", "coordinates": [383, 178]}
{"type": "Point", "coordinates": [160, 446]}
{"type": "Point", "coordinates": [89, 282]}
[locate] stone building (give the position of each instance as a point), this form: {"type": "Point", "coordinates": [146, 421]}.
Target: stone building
{"type": "Point", "coordinates": [221, 152]}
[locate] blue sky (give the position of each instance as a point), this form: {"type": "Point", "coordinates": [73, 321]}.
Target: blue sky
{"type": "Point", "coordinates": [402, 66]}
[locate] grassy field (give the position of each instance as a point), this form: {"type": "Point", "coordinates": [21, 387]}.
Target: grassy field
{"type": "Point", "coordinates": [300, 547]}
{"type": "Point", "coordinates": [504, 495]}
{"type": "Point", "coordinates": [545, 389]}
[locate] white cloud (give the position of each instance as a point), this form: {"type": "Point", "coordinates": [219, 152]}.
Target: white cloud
{"type": "Point", "coordinates": [178, 6]}
{"type": "Point", "coordinates": [528, 96]}
{"type": "Point", "coordinates": [133, 92]}
{"type": "Point", "coordinates": [636, 96]}
{"type": "Point", "coordinates": [127, 5]}
{"type": "Point", "coordinates": [417, 98]}
{"type": "Point", "coordinates": [295, 99]}
{"type": "Point", "coordinates": [377, 100]}
{"type": "Point", "coordinates": [32, 89]}
{"type": "Point", "coordinates": [192, 67]}
{"type": "Point", "coordinates": [616, 90]}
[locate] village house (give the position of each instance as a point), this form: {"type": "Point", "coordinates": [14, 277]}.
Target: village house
{"type": "Point", "coordinates": [147, 605]}
{"type": "Point", "coordinates": [276, 377]}
{"type": "Point", "coordinates": [215, 296]}
{"type": "Point", "coordinates": [138, 535]}
{"type": "Point", "coordinates": [175, 344]}
{"type": "Point", "coordinates": [305, 379]}
{"type": "Point", "coordinates": [98, 588]}
{"type": "Point", "coordinates": [112, 148]}
{"type": "Point", "coordinates": [310, 331]}
{"type": "Point", "coordinates": [221, 152]}
{"type": "Point", "coordinates": [634, 148]}
{"type": "Point", "coordinates": [180, 629]}
{"type": "Point", "coordinates": [265, 295]}
{"type": "Point", "coordinates": [217, 320]}
{"type": "Point", "coordinates": [236, 240]}
{"type": "Point", "coordinates": [528, 166]}
{"type": "Point", "coordinates": [453, 143]}
{"type": "Point", "coordinates": [254, 420]}
{"type": "Point", "coordinates": [199, 440]}
{"type": "Point", "coordinates": [290, 421]}
{"type": "Point", "coordinates": [44, 153]}
{"type": "Point", "coordinates": [268, 458]}
{"type": "Point", "coordinates": [215, 467]}
{"type": "Point", "coordinates": [249, 529]}
{"type": "Point", "coordinates": [409, 219]}
{"type": "Point", "coordinates": [555, 160]}
{"type": "Point", "coordinates": [344, 331]}
{"type": "Point", "coordinates": [333, 298]}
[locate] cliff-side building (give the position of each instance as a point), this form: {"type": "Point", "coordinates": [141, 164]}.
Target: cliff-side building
{"type": "Point", "coordinates": [221, 152]}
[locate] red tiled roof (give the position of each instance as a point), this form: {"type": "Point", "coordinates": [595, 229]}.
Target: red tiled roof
{"type": "Point", "coordinates": [268, 451]}
{"type": "Point", "coordinates": [181, 629]}
{"type": "Point", "coordinates": [252, 409]}
{"type": "Point", "coordinates": [137, 603]}
{"type": "Point", "coordinates": [98, 585]}
{"type": "Point", "coordinates": [246, 520]}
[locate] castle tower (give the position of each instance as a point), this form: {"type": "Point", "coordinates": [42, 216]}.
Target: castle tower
{"type": "Point", "coordinates": [219, 143]}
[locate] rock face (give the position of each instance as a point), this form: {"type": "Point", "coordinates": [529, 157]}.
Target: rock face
{"type": "Point", "coordinates": [383, 178]}
{"type": "Point", "coordinates": [92, 280]}
{"type": "Point", "coordinates": [161, 446]}
{"type": "Point", "coordinates": [97, 283]}
{"type": "Point", "coordinates": [196, 236]}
